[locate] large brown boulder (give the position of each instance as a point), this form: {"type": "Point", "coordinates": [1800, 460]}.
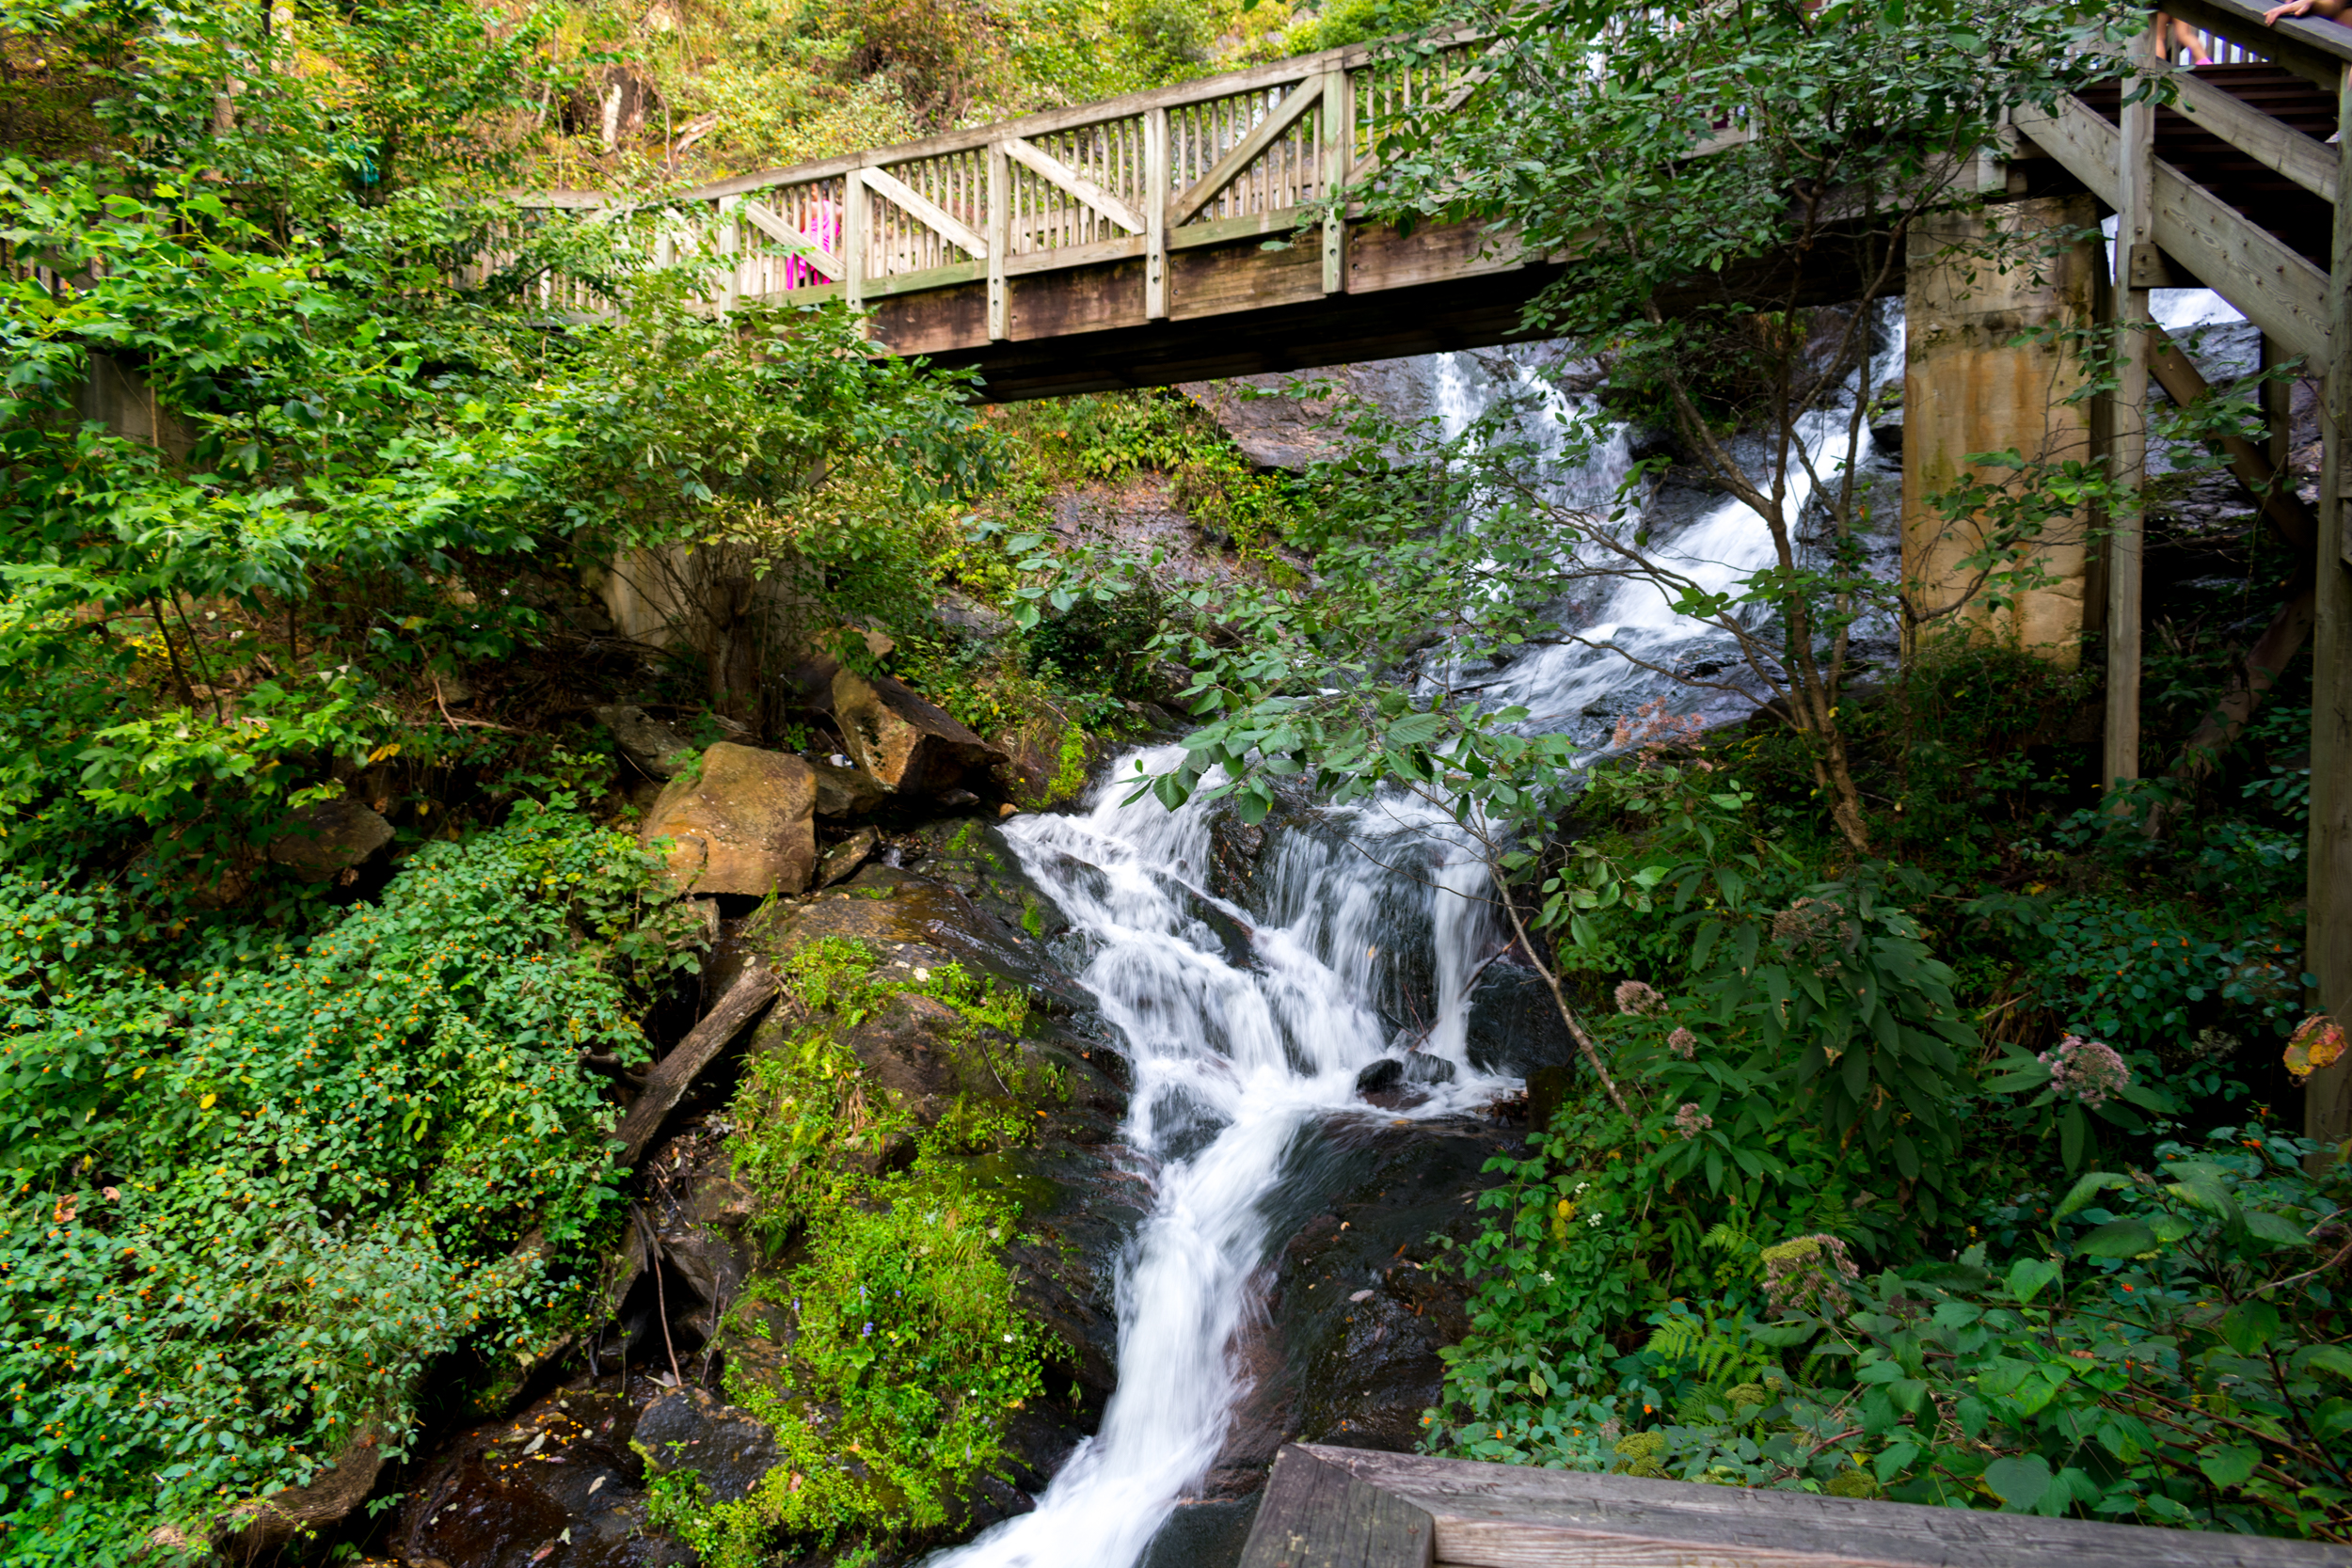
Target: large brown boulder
{"type": "Point", "coordinates": [905, 743]}
{"type": "Point", "coordinates": [746, 822]}
{"type": "Point", "coordinates": [328, 838]}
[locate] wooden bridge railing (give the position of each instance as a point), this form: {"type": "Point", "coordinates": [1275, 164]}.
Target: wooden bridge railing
{"type": "Point", "coordinates": [1207, 162]}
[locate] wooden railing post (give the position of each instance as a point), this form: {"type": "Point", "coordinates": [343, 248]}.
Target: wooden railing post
{"type": "Point", "coordinates": [1339, 145]}
{"type": "Point", "coordinates": [2327, 929]}
{"type": "Point", "coordinates": [853, 238]}
{"type": "Point", "coordinates": [730, 224]}
{"type": "Point", "coordinates": [998, 229]}
{"type": "Point", "coordinates": [1158, 191]}
{"type": "Point", "coordinates": [2127, 466]}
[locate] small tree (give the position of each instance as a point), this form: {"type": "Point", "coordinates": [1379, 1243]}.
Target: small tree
{"type": "Point", "coordinates": [1708, 178]}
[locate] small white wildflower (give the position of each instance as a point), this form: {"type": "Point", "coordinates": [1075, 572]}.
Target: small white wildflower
{"type": "Point", "coordinates": [1008, 1339]}
{"type": "Point", "coordinates": [1545, 1276]}
{"type": "Point", "coordinates": [1595, 1220]}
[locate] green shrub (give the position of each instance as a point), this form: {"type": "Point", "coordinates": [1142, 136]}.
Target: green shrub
{"type": "Point", "coordinates": [2161, 1347]}
{"type": "Point", "coordinates": [255, 1184]}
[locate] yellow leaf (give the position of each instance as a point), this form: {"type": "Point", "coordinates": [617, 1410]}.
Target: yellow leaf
{"type": "Point", "coordinates": [2318, 1043]}
{"type": "Point", "coordinates": [206, 1103]}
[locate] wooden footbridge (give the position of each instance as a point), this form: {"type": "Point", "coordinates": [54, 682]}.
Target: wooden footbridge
{"type": "Point", "coordinates": [1204, 230]}
{"type": "Point", "coordinates": [1188, 233]}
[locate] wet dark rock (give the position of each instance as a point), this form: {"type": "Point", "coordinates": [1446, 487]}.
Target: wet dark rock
{"type": "Point", "coordinates": [1347, 1347]}
{"type": "Point", "coordinates": [651, 746]}
{"type": "Point", "coordinates": [1386, 1073]}
{"type": "Point", "coordinates": [1235, 848]}
{"type": "Point", "coordinates": [837, 861]}
{"type": "Point", "coordinates": [1515, 1026]}
{"type": "Point", "coordinates": [731, 1448]}
{"type": "Point", "coordinates": [557, 1487]}
{"type": "Point", "coordinates": [842, 790]}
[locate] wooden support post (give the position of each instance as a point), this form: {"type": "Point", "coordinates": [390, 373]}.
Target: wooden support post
{"type": "Point", "coordinates": [2134, 227]}
{"type": "Point", "coordinates": [2328, 920]}
{"type": "Point", "coordinates": [999, 231]}
{"type": "Point", "coordinates": [1339, 147]}
{"type": "Point", "coordinates": [1158, 191]}
{"type": "Point", "coordinates": [854, 236]}
{"type": "Point", "coordinates": [2278, 402]}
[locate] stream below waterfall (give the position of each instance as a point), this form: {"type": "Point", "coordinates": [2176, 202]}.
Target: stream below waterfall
{"type": "Point", "coordinates": [1243, 1061]}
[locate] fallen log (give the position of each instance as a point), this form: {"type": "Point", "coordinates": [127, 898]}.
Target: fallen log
{"type": "Point", "coordinates": [667, 1084]}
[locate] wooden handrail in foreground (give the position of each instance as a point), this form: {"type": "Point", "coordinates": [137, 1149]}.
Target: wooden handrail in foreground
{"type": "Point", "coordinates": [1347, 1508]}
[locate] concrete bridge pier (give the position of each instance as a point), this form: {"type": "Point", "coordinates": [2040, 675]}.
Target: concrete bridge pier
{"type": "Point", "coordinates": [1978, 283]}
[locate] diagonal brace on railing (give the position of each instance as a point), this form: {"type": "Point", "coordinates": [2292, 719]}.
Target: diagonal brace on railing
{"type": "Point", "coordinates": [1061, 175]}
{"type": "Point", "coordinates": [1245, 152]}
{"type": "Point", "coordinates": [924, 209]}
{"type": "Point", "coordinates": [801, 246]}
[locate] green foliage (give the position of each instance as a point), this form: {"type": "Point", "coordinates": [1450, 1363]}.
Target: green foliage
{"type": "Point", "coordinates": [2163, 1348]}
{"type": "Point", "coordinates": [906, 1352]}
{"type": "Point", "coordinates": [256, 1184]}
{"type": "Point", "coordinates": [1843, 999]}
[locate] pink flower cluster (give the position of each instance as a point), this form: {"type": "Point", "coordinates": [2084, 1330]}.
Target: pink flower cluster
{"type": "Point", "coordinates": [2087, 1071]}
{"type": "Point", "coordinates": [1691, 1121]}
{"type": "Point", "coordinates": [1809, 1274]}
{"type": "Point", "coordinates": [1683, 1043]}
{"type": "Point", "coordinates": [1638, 997]}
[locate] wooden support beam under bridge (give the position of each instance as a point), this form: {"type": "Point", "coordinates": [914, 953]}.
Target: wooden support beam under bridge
{"type": "Point", "coordinates": [2232, 187]}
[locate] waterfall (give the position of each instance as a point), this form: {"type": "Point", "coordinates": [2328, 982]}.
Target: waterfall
{"type": "Point", "coordinates": [1235, 1058]}
{"type": "Point", "coordinates": [1239, 1056]}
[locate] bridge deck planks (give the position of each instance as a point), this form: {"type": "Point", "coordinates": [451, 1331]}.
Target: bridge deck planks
{"type": "Point", "coordinates": [1510, 1517]}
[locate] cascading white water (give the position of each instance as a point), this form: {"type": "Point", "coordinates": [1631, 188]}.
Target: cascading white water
{"type": "Point", "coordinates": [1235, 1059]}
{"type": "Point", "coordinates": [1232, 1064]}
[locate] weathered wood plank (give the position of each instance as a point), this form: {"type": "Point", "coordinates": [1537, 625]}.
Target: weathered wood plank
{"type": "Point", "coordinates": [1157, 191]}
{"type": "Point", "coordinates": [2328, 853]}
{"type": "Point", "coordinates": [1508, 1516]}
{"type": "Point", "coordinates": [1379, 258]}
{"type": "Point", "coordinates": [1245, 152]}
{"type": "Point", "coordinates": [1274, 73]}
{"type": "Point", "coordinates": [1194, 236]}
{"type": "Point", "coordinates": [929, 277]}
{"type": "Point", "coordinates": [1056, 305]}
{"type": "Point", "coordinates": [1074, 257]}
{"type": "Point", "coordinates": [2271, 143]}
{"type": "Point", "coordinates": [1318, 1516]}
{"type": "Point", "coordinates": [934, 320]}
{"type": "Point", "coordinates": [2127, 454]}
{"type": "Point", "coordinates": [2269, 284]}
{"type": "Point", "coordinates": [1221, 282]}
{"type": "Point", "coordinates": [1339, 147]}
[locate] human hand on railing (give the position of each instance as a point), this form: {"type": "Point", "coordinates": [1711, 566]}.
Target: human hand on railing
{"type": "Point", "coordinates": [2331, 10]}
